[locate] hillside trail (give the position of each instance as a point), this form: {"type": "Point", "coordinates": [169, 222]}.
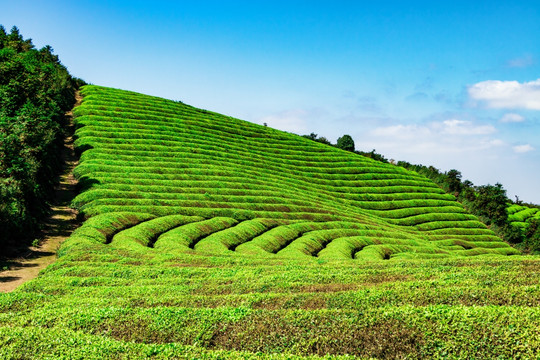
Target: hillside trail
{"type": "Point", "coordinates": [58, 227]}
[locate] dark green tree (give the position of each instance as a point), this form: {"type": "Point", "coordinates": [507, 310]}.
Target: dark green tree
{"type": "Point", "coordinates": [321, 139]}
{"type": "Point", "coordinates": [491, 203]}
{"type": "Point", "coordinates": [35, 92]}
{"type": "Point", "coordinates": [324, 140]}
{"type": "Point", "coordinates": [532, 235]}
{"type": "Point", "coordinates": [512, 234]}
{"type": "Point", "coordinates": [345, 143]}
{"type": "Point", "coordinates": [311, 136]}
{"type": "Point", "coordinates": [453, 181]}
{"type": "Point", "coordinates": [373, 155]}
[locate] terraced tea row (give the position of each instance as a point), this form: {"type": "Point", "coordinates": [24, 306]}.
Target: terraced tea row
{"type": "Point", "coordinates": [146, 155]}
{"type": "Point", "coordinates": [129, 300]}
{"type": "Point", "coordinates": [520, 215]}
{"type": "Point", "coordinates": [265, 237]}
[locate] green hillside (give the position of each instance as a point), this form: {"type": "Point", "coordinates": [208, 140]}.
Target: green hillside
{"type": "Point", "coordinates": [520, 215]}
{"type": "Point", "coordinates": [257, 190]}
{"type": "Point", "coordinates": [210, 237]}
{"type": "Point", "coordinates": [526, 218]}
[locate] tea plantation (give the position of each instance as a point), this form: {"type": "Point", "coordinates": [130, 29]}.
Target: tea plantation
{"type": "Point", "coordinates": [520, 215]}
{"type": "Point", "coordinates": [210, 237]}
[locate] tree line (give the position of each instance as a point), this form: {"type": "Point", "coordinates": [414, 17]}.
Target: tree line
{"type": "Point", "coordinates": [36, 90]}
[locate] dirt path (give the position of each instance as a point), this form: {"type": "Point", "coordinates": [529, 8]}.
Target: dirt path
{"type": "Point", "coordinates": [58, 227]}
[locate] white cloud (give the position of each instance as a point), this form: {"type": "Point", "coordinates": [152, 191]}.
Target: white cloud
{"type": "Point", "coordinates": [456, 141]}
{"type": "Point", "coordinates": [520, 149]}
{"type": "Point", "coordinates": [436, 128]}
{"type": "Point", "coordinates": [495, 142]}
{"type": "Point", "coordinates": [507, 94]}
{"type": "Point", "coordinates": [512, 118]}
{"type": "Point", "coordinates": [462, 127]}
{"type": "Point", "coordinates": [442, 137]}
{"type": "Point", "coordinates": [521, 62]}
{"type": "Point", "coordinates": [448, 139]}
{"type": "Point", "coordinates": [293, 120]}
{"type": "Point", "coordinates": [403, 132]}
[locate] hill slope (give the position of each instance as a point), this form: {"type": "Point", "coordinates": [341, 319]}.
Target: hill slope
{"type": "Point", "coordinates": [213, 238]}
{"type": "Point", "coordinates": [273, 192]}
{"type": "Point", "coordinates": [520, 215]}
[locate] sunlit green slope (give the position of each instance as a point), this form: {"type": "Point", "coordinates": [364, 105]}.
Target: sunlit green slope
{"type": "Point", "coordinates": [521, 215]}
{"type": "Point", "coordinates": [212, 238]}
{"type": "Point", "coordinates": [214, 184]}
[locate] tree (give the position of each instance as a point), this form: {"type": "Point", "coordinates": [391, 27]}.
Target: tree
{"type": "Point", "coordinates": [35, 92]}
{"type": "Point", "coordinates": [512, 234]}
{"type": "Point", "coordinates": [491, 202]}
{"type": "Point", "coordinates": [345, 143]}
{"type": "Point", "coordinates": [532, 235]}
{"type": "Point", "coordinates": [324, 140]}
{"type": "Point", "coordinates": [453, 180]}
{"type": "Point", "coordinates": [467, 191]}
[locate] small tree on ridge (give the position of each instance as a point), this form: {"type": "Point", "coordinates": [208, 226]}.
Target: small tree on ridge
{"type": "Point", "coordinates": [345, 143]}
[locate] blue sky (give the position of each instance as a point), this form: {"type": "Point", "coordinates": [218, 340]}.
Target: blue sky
{"type": "Point", "coordinates": [453, 84]}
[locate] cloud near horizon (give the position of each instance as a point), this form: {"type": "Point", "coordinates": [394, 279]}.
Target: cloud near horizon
{"type": "Point", "coordinates": [298, 121]}
{"type": "Point", "coordinates": [442, 137]}
{"type": "Point", "coordinates": [507, 94]}
{"type": "Point", "coordinates": [442, 128]}
{"type": "Point", "coordinates": [512, 118]}
{"type": "Point", "coordinates": [463, 127]}
{"type": "Point", "coordinates": [293, 120]}
{"type": "Point", "coordinates": [520, 149]}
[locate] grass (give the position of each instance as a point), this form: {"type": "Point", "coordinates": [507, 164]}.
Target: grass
{"type": "Point", "coordinates": [210, 237]}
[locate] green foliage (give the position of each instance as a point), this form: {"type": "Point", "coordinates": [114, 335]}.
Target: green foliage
{"type": "Point", "coordinates": [209, 237]}
{"type": "Point", "coordinates": [229, 239]}
{"type": "Point", "coordinates": [134, 302]}
{"type": "Point", "coordinates": [532, 235]}
{"type": "Point", "coordinates": [147, 233]}
{"type": "Point", "coordinates": [275, 190]}
{"type": "Point", "coordinates": [187, 236]}
{"type": "Point", "coordinates": [35, 92]}
{"type": "Point", "coordinates": [373, 154]}
{"type": "Point", "coordinates": [512, 234]}
{"type": "Point", "coordinates": [453, 181]}
{"type": "Point", "coordinates": [345, 143]}
{"type": "Point", "coordinates": [523, 223]}
{"type": "Point", "coordinates": [321, 139]}
{"type": "Point", "coordinates": [491, 202]}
